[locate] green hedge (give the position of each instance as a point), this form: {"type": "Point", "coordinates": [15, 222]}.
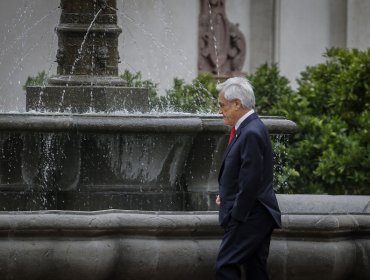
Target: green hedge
{"type": "Point", "coordinates": [331, 152]}
{"type": "Point", "coordinates": [199, 96]}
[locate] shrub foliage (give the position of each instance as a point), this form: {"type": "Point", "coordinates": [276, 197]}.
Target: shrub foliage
{"type": "Point", "coordinates": [331, 152]}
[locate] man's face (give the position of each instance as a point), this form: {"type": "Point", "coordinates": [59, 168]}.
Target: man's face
{"type": "Point", "coordinates": [228, 109]}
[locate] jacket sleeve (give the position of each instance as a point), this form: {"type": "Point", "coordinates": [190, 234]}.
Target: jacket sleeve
{"type": "Point", "coordinates": [250, 175]}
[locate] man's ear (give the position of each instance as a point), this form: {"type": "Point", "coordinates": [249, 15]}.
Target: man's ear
{"type": "Point", "coordinates": [238, 104]}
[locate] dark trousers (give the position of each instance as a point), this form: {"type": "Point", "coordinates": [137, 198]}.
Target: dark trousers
{"type": "Point", "coordinates": [246, 245]}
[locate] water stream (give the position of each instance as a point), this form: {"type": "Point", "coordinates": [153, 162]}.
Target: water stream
{"type": "Point", "coordinates": [81, 48]}
{"type": "Point", "coordinates": [214, 37]}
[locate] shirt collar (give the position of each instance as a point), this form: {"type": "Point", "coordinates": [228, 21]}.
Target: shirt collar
{"type": "Point", "coordinates": [239, 122]}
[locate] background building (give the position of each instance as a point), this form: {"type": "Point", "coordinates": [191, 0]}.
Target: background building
{"type": "Point", "coordinates": [160, 37]}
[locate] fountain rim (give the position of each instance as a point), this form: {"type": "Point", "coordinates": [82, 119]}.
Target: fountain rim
{"type": "Point", "coordinates": [129, 122]}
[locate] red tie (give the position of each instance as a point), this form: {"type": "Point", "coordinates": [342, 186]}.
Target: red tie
{"type": "Point", "coordinates": [232, 133]}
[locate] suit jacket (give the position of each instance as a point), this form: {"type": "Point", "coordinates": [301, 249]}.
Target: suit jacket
{"type": "Point", "coordinates": [246, 173]}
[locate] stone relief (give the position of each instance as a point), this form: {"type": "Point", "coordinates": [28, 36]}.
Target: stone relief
{"type": "Point", "coordinates": [221, 45]}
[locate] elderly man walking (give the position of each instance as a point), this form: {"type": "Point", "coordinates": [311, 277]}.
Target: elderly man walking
{"type": "Point", "coordinates": [248, 207]}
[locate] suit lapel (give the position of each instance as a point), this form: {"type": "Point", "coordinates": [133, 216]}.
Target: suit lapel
{"type": "Point", "coordinates": [228, 148]}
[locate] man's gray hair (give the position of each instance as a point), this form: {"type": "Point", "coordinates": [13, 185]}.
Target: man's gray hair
{"type": "Point", "coordinates": [238, 88]}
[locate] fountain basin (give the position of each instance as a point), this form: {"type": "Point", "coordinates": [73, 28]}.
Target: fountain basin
{"type": "Point", "coordinates": [99, 161]}
{"type": "Point", "coordinates": [323, 237]}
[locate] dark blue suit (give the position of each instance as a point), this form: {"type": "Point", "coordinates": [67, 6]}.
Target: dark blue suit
{"type": "Point", "coordinates": [249, 210]}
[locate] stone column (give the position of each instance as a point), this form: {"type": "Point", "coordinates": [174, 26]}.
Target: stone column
{"type": "Point", "coordinates": [87, 76]}
{"type": "Point", "coordinates": [88, 43]}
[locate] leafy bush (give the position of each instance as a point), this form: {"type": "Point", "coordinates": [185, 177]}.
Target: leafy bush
{"type": "Point", "coordinates": [39, 80]}
{"type": "Point", "coordinates": [331, 152]}
{"type": "Point", "coordinates": [200, 96]}
{"type": "Point", "coordinates": [136, 80]}
{"type": "Point", "coordinates": [270, 88]}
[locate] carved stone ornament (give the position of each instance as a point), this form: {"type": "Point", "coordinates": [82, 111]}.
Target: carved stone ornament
{"type": "Point", "coordinates": [222, 46]}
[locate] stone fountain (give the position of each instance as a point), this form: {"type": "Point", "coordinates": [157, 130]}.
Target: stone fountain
{"type": "Point", "coordinates": [131, 196]}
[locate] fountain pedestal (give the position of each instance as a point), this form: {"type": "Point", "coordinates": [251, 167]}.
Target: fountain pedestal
{"type": "Point", "coordinates": [87, 76]}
